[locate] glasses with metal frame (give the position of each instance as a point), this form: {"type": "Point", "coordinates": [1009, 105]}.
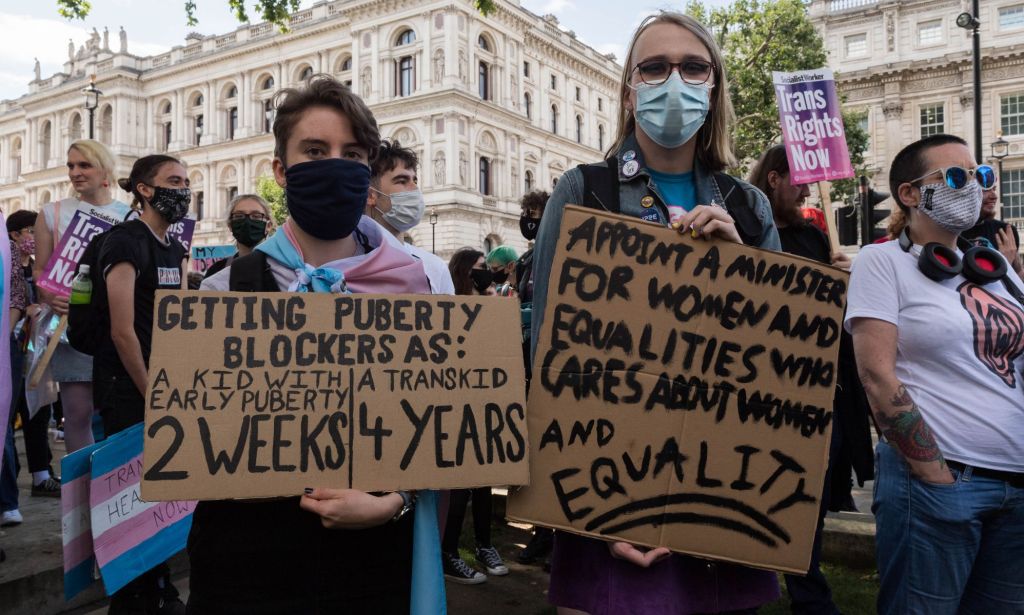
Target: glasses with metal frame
{"type": "Point", "coordinates": [257, 216]}
{"type": "Point", "coordinates": [692, 71]}
{"type": "Point", "coordinates": [957, 177]}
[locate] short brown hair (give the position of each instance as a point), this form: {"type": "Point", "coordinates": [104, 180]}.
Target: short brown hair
{"type": "Point", "coordinates": [388, 157]}
{"type": "Point", "coordinates": [323, 91]}
{"type": "Point", "coordinates": [772, 160]}
{"type": "Point", "coordinates": [536, 199]}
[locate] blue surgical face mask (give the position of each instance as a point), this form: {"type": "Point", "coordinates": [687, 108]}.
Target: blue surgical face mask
{"type": "Point", "coordinates": [672, 112]}
{"type": "Point", "coordinates": [326, 197]}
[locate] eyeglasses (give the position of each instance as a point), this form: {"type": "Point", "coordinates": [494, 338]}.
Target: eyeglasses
{"type": "Point", "coordinates": [254, 216]}
{"type": "Point", "coordinates": [957, 177]}
{"type": "Point", "coordinates": [656, 72]}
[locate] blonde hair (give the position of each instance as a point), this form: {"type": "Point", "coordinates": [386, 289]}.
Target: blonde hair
{"type": "Point", "coordinates": [251, 197]}
{"type": "Point", "coordinates": [714, 144]}
{"type": "Point", "coordinates": [97, 155]}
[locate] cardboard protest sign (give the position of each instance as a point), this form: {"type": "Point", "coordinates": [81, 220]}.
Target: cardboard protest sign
{"type": "Point", "coordinates": [682, 393]}
{"type": "Point", "coordinates": [264, 394]}
{"type": "Point", "coordinates": [130, 536]}
{"type": "Point", "coordinates": [60, 269]}
{"type": "Point", "coordinates": [203, 257]}
{"type": "Point", "coordinates": [812, 126]}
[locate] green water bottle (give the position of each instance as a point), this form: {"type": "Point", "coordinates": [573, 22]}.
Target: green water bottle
{"type": "Point", "coordinates": [81, 288]}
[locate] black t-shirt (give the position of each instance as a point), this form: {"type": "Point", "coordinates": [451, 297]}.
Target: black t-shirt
{"type": "Point", "coordinates": [987, 229]}
{"type": "Point", "coordinates": [156, 266]}
{"type": "Point", "coordinates": [806, 240]}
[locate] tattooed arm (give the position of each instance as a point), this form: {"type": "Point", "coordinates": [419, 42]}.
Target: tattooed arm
{"type": "Point", "coordinates": [901, 422]}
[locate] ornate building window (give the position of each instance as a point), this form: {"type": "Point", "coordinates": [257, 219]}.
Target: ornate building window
{"type": "Point", "coordinates": [856, 45]}
{"type": "Point", "coordinates": [933, 119]}
{"type": "Point", "coordinates": [554, 119]}
{"type": "Point", "coordinates": [232, 122]}
{"type": "Point", "coordinates": [1012, 187]}
{"type": "Point", "coordinates": [483, 74]}
{"type": "Point", "coordinates": [579, 129]}
{"type": "Point", "coordinates": [1011, 17]}
{"type": "Point", "coordinates": [528, 105]}
{"type": "Point", "coordinates": [485, 176]}
{"type": "Point", "coordinates": [1011, 113]}
{"type": "Point", "coordinates": [406, 37]}
{"type": "Point", "coordinates": [929, 32]}
{"type": "Point", "coordinates": [528, 181]}
{"type": "Point", "coordinates": [600, 137]}
{"type": "Point", "coordinates": [406, 77]}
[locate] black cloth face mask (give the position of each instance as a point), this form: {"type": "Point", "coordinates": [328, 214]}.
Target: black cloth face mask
{"type": "Point", "coordinates": [482, 279]}
{"type": "Point", "coordinates": [171, 203]}
{"type": "Point", "coordinates": [529, 227]}
{"type": "Point", "coordinates": [249, 232]}
{"type": "Point", "coordinates": [326, 198]}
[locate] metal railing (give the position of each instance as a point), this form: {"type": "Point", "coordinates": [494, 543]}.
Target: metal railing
{"type": "Point", "coordinates": [836, 6]}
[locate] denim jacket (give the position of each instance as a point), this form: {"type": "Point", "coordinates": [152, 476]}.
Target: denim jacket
{"type": "Point", "coordinates": [632, 188]}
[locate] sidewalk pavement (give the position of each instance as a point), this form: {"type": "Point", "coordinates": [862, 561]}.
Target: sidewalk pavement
{"type": "Point", "coordinates": [32, 578]}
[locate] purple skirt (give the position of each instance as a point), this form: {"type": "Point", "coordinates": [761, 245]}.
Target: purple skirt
{"type": "Point", "coordinates": [584, 576]}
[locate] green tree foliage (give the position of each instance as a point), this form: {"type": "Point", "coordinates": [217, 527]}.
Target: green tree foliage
{"type": "Point", "coordinates": [274, 11]}
{"type": "Point", "coordinates": [758, 37]}
{"type": "Point", "coordinates": [267, 188]}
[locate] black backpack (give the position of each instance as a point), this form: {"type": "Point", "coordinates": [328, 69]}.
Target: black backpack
{"type": "Point", "coordinates": [251, 274]}
{"type": "Point", "coordinates": [601, 191]}
{"type": "Point", "coordinates": [89, 324]}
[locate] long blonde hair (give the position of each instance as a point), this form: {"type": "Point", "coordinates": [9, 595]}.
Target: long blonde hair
{"type": "Point", "coordinates": [714, 144]}
{"type": "Point", "coordinates": [98, 156]}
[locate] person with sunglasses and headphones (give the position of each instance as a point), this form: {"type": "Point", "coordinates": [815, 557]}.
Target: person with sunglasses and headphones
{"type": "Point", "coordinates": [938, 330]}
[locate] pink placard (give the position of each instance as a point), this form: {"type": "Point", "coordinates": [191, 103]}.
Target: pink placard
{"type": "Point", "coordinates": [812, 126]}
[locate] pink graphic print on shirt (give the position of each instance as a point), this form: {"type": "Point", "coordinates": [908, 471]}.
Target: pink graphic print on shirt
{"type": "Point", "coordinates": [998, 330]}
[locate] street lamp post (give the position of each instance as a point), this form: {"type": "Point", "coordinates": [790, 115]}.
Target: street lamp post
{"type": "Point", "coordinates": [92, 101]}
{"type": "Point", "coordinates": [970, 21]}
{"type": "Point", "coordinates": [1000, 150]}
{"type": "Point", "coordinates": [433, 230]}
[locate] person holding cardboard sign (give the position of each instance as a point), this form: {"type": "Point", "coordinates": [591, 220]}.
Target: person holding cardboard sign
{"type": "Point", "coordinates": [665, 167]}
{"type": "Point", "coordinates": [938, 326]}
{"type": "Point", "coordinates": [330, 550]}
{"type": "Point", "coordinates": [91, 171]}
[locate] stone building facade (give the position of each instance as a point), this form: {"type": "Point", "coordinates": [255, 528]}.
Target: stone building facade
{"type": "Point", "coordinates": [494, 106]}
{"type": "Point", "coordinates": [910, 66]}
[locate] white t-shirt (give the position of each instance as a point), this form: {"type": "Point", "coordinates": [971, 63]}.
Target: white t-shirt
{"type": "Point", "coordinates": [287, 279]}
{"type": "Point", "coordinates": [437, 270]}
{"type": "Point", "coordinates": [113, 212]}
{"type": "Point", "coordinates": [959, 352]}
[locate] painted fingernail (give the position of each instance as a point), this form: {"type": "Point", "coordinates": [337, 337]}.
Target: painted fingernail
{"type": "Point", "coordinates": [693, 233]}
{"type": "Point", "coordinates": [308, 491]}
{"type": "Point", "coordinates": [675, 224]}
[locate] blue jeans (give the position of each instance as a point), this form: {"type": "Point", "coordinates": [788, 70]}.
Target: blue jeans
{"type": "Point", "coordinates": [942, 549]}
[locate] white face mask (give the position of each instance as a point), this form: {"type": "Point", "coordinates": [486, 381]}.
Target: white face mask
{"type": "Point", "coordinates": [954, 210]}
{"type": "Point", "coordinates": [406, 209]}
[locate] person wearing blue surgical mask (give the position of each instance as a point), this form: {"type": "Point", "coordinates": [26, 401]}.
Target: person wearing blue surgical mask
{"type": "Point", "coordinates": [665, 166]}
{"type": "Point", "coordinates": [396, 203]}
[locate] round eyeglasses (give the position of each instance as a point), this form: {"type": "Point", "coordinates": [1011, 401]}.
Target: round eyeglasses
{"type": "Point", "coordinates": [656, 72]}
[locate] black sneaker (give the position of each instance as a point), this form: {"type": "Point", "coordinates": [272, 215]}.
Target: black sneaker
{"type": "Point", "coordinates": [49, 488]}
{"type": "Point", "coordinates": [538, 547]}
{"type": "Point", "coordinates": [457, 570]}
{"type": "Point", "coordinates": [488, 556]}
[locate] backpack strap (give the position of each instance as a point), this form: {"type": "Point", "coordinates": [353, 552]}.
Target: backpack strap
{"type": "Point", "coordinates": [251, 274]}
{"type": "Point", "coordinates": [601, 186]}
{"type": "Point", "coordinates": [747, 224]}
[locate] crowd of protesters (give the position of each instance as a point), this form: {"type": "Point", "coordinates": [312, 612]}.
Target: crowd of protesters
{"type": "Point", "coordinates": [935, 317]}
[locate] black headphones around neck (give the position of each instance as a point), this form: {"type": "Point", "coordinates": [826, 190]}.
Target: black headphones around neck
{"type": "Point", "coordinates": [980, 264]}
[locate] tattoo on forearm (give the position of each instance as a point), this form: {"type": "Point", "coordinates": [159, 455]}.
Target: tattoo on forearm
{"type": "Point", "coordinates": [905, 427]}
